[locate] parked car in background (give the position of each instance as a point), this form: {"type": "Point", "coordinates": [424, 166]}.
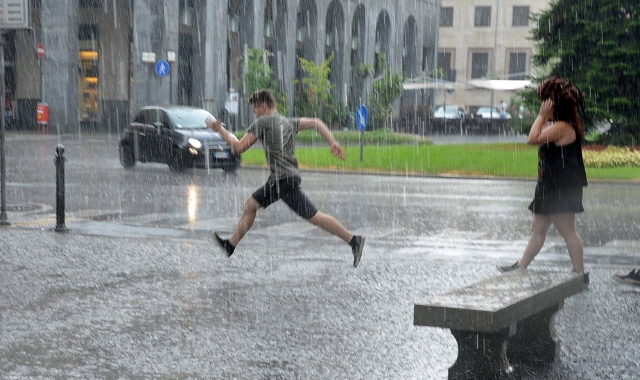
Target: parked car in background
{"type": "Point", "coordinates": [176, 136]}
{"type": "Point", "coordinates": [449, 112]}
{"type": "Point", "coordinates": [485, 113]}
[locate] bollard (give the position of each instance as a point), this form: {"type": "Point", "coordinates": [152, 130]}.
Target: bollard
{"type": "Point", "coordinates": [59, 161]}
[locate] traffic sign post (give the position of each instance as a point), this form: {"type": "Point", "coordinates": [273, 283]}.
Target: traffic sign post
{"type": "Point", "coordinates": [362, 118]}
{"type": "Point", "coordinates": [163, 69]}
{"type": "Point", "coordinates": [13, 15]}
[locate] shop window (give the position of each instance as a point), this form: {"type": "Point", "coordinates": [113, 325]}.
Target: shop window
{"type": "Point", "coordinates": [88, 73]}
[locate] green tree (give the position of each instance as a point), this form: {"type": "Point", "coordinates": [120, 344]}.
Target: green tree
{"type": "Point", "coordinates": [386, 90]}
{"type": "Point", "coordinates": [316, 84]}
{"type": "Point", "coordinates": [596, 44]}
{"type": "Point", "coordinates": [259, 75]}
{"type": "Point", "coordinates": [316, 99]}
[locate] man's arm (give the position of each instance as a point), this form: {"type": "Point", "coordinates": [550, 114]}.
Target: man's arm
{"type": "Point", "coordinates": [239, 146]}
{"type": "Point", "coordinates": [323, 130]}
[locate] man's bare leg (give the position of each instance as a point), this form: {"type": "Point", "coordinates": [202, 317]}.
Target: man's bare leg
{"type": "Point", "coordinates": [245, 223]}
{"type": "Point", "coordinates": [331, 224]}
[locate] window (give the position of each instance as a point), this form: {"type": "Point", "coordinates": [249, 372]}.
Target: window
{"type": "Point", "coordinates": [520, 16]}
{"type": "Point", "coordinates": [446, 16]}
{"type": "Point", "coordinates": [140, 118]}
{"type": "Point", "coordinates": [479, 64]}
{"type": "Point", "coordinates": [517, 65]}
{"type": "Point", "coordinates": [91, 4]}
{"type": "Point", "coordinates": [427, 57]}
{"type": "Point", "coordinates": [445, 63]}
{"type": "Point", "coordinates": [483, 16]}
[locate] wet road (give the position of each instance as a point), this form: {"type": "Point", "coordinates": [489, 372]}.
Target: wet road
{"type": "Point", "coordinates": [449, 213]}
{"type": "Point", "coordinates": [136, 289]}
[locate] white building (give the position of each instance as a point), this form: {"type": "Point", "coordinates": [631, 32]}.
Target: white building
{"type": "Point", "coordinates": [484, 39]}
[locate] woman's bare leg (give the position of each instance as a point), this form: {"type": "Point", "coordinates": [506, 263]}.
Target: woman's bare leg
{"type": "Point", "coordinates": [566, 225]}
{"type": "Point", "coordinates": [539, 229]}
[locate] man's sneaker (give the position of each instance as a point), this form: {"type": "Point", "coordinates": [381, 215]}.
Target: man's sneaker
{"type": "Point", "coordinates": [224, 244]}
{"type": "Point", "coordinates": [632, 278]}
{"type": "Point", "coordinates": [356, 248]}
{"type": "Point", "coordinates": [508, 268]}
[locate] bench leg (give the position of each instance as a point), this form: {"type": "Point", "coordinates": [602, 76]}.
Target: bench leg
{"type": "Point", "coordinates": [535, 342]}
{"type": "Point", "coordinates": [481, 355]}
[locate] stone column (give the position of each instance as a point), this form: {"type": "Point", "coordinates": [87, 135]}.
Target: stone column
{"type": "Point", "coordinates": [214, 47]}
{"type": "Point", "coordinates": [60, 66]}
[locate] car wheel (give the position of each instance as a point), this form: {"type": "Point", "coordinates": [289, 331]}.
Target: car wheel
{"type": "Point", "coordinates": [127, 157]}
{"type": "Point", "coordinates": [232, 167]}
{"type": "Point", "coordinates": [176, 162]}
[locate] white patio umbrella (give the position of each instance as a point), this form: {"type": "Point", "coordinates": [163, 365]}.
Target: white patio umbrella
{"type": "Point", "coordinates": [499, 84]}
{"type": "Point", "coordinates": [423, 83]}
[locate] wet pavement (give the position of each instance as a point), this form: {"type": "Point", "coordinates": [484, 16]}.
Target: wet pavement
{"type": "Point", "coordinates": [137, 290]}
{"type": "Point", "coordinates": [284, 306]}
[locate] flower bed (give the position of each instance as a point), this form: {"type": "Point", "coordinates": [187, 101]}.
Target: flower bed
{"type": "Point", "coordinates": [599, 156]}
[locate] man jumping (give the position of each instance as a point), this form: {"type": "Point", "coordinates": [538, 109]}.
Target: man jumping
{"type": "Point", "coordinates": [278, 136]}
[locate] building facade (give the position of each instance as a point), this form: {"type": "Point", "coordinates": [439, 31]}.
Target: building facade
{"type": "Point", "coordinates": [484, 39]}
{"type": "Point", "coordinates": [101, 56]}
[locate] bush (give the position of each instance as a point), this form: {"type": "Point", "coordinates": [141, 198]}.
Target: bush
{"type": "Point", "coordinates": [598, 156]}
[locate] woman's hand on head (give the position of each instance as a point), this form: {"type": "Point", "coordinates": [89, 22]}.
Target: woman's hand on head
{"type": "Point", "coordinates": [546, 109]}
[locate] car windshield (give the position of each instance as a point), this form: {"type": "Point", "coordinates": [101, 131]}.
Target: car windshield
{"type": "Point", "coordinates": [185, 118]}
{"type": "Point", "coordinates": [448, 109]}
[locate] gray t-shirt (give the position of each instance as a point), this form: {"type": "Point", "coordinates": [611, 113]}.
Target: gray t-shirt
{"type": "Point", "coordinates": [278, 137]}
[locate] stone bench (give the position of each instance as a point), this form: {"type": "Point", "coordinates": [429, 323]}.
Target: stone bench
{"type": "Point", "coordinates": [505, 320]}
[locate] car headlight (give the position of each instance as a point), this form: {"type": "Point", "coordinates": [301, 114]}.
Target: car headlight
{"type": "Point", "coordinates": [195, 143]}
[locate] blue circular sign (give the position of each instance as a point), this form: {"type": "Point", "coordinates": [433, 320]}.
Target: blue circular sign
{"type": "Point", "coordinates": [362, 117]}
{"type": "Point", "coordinates": [162, 68]}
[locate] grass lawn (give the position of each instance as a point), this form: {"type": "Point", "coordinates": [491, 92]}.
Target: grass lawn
{"type": "Point", "coordinates": [508, 160]}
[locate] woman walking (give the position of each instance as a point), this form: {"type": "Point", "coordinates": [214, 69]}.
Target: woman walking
{"type": "Point", "coordinates": [561, 175]}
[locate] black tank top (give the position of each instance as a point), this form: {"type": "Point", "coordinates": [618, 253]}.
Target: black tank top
{"type": "Point", "coordinates": [561, 167]}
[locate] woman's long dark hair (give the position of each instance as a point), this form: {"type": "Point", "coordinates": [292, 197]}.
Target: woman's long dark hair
{"type": "Point", "coordinates": [567, 99]}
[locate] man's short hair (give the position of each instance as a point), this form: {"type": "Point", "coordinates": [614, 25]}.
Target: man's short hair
{"type": "Point", "coordinates": [263, 96]}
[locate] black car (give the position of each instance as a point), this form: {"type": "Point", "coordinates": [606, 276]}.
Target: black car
{"type": "Point", "coordinates": [176, 136]}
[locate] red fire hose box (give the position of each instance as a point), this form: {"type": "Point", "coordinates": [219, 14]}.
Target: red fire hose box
{"type": "Point", "coordinates": [42, 110]}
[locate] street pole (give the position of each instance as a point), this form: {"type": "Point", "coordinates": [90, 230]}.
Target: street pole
{"type": "Point", "coordinates": [495, 52]}
{"type": "Point", "coordinates": [3, 189]}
